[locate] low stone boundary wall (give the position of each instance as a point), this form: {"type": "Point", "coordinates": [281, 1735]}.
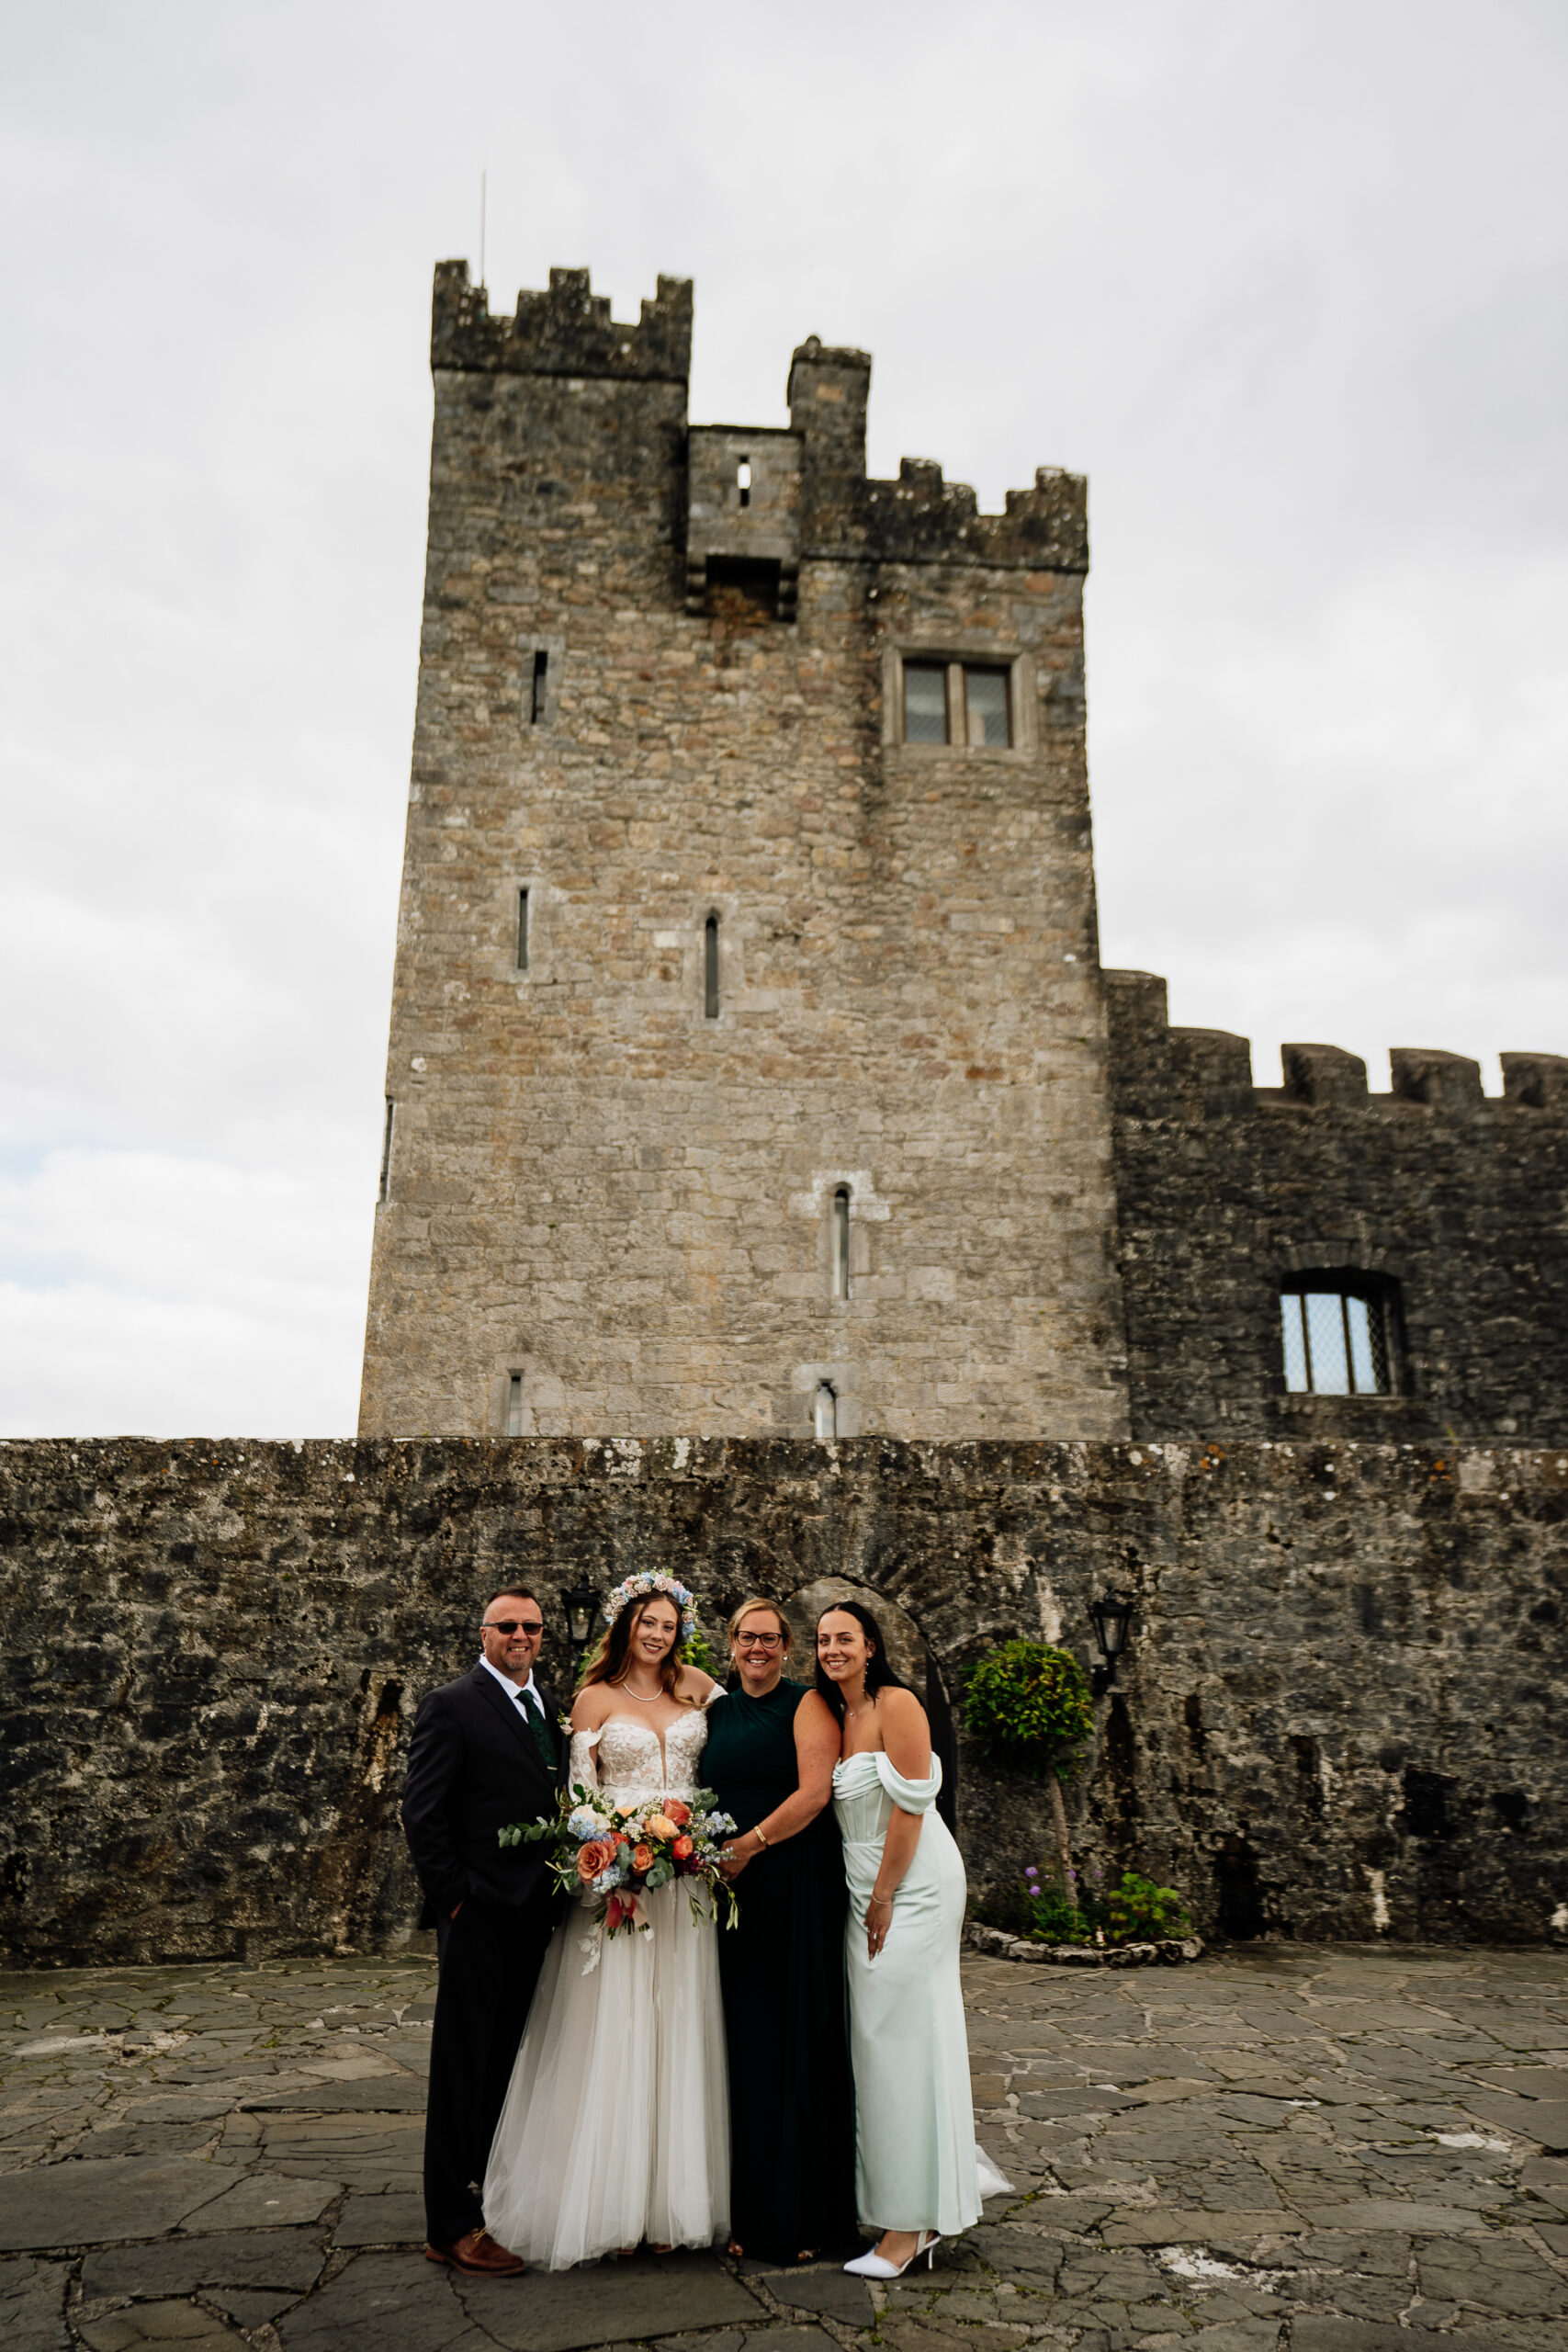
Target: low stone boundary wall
{"type": "Point", "coordinates": [1166, 1951]}
{"type": "Point", "coordinates": [1341, 1714]}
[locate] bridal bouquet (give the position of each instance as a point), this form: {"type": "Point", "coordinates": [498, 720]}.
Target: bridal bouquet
{"type": "Point", "coordinates": [623, 1851]}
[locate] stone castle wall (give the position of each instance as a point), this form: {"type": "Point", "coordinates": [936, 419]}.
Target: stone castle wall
{"type": "Point", "coordinates": [1226, 1187]}
{"type": "Point", "coordinates": [1341, 1712]}
{"type": "Point", "coordinates": [647, 703]}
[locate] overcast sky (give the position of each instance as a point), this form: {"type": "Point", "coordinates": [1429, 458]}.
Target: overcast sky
{"type": "Point", "coordinates": [1286, 280]}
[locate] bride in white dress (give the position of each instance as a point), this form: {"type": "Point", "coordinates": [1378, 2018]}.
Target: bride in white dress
{"type": "Point", "coordinates": [617, 2123]}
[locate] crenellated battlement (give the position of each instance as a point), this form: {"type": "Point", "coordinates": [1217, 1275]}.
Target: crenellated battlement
{"type": "Point", "coordinates": [566, 331]}
{"type": "Point", "coordinates": [835, 511]}
{"type": "Point", "coordinates": [920, 516]}
{"type": "Point", "coordinates": [1168, 1070]}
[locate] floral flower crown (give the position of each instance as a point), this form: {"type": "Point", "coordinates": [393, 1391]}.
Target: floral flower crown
{"type": "Point", "coordinates": [638, 1588]}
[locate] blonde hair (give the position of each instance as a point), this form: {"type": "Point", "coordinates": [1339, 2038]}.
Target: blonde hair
{"type": "Point", "coordinates": [758, 1600]}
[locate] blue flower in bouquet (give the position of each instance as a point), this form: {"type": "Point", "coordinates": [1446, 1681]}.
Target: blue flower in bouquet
{"type": "Point", "coordinates": [583, 1823]}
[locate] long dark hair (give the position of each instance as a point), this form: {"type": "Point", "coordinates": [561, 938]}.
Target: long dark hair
{"type": "Point", "coordinates": [879, 1674]}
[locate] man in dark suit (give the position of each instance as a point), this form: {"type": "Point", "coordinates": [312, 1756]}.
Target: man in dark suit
{"type": "Point", "coordinates": [487, 1750]}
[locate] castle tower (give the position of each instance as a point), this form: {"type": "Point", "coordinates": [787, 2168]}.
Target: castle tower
{"type": "Point", "coordinates": [747, 1063]}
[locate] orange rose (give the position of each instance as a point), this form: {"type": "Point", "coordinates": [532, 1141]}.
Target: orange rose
{"type": "Point", "coordinates": [660, 1825]}
{"type": "Point", "coordinates": [596, 1856]}
{"type": "Point", "coordinates": [678, 1812]}
{"type": "Point", "coordinates": [642, 1859]}
{"type": "Point", "coordinates": [625, 1811]}
{"type": "Point", "coordinates": [681, 1849]}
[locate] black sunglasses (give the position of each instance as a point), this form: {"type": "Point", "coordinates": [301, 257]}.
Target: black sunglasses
{"type": "Point", "coordinates": [513, 1625]}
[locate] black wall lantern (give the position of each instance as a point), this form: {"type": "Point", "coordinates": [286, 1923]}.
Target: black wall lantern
{"type": "Point", "coordinates": [580, 1602]}
{"type": "Point", "coordinates": [1112, 1617]}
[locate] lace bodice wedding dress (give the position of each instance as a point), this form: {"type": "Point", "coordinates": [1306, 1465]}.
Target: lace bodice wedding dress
{"type": "Point", "coordinates": [617, 2123]}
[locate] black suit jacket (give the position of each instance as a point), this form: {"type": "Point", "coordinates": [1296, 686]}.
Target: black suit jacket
{"type": "Point", "coordinates": [474, 1767]}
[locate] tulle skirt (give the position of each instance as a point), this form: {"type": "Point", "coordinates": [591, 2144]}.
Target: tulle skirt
{"type": "Point", "coordinates": [617, 2122]}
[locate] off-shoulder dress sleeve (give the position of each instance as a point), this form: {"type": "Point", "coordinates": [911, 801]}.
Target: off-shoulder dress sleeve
{"type": "Point", "coordinates": [585, 1763]}
{"type": "Point", "coordinates": [910, 1796]}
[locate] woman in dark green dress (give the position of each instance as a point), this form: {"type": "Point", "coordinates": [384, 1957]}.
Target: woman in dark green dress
{"type": "Point", "coordinates": [771, 1751]}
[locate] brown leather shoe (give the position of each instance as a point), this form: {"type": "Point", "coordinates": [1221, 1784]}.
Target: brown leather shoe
{"type": "Point", "coordinates": [479, 2253]}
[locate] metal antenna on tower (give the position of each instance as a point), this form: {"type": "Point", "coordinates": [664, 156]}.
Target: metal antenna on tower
{"type": "Point", "coordinates": [481, 231]}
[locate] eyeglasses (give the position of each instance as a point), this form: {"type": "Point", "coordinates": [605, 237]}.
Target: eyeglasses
{"type": "Point", "coordinates": [513, 1625]}
{"type": "Point", "coordinates": [758, 1641]}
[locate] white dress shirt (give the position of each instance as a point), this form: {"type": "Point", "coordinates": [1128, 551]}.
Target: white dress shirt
{"type": "Point", "coordinates": [526, 1697]}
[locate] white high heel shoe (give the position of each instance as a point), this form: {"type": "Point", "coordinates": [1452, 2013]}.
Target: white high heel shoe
{"type": "Point", "coordinates": [874, 2265]}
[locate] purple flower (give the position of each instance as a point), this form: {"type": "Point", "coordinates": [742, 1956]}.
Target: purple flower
{"type": "Point", "coordinates": [1030, 1872]}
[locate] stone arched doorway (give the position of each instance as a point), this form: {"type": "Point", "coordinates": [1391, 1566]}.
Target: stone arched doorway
{"type": "Point", "coordinates": [913, 1661]}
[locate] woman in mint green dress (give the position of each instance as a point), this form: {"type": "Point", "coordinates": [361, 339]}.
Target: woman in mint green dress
{"type": "Point", "coordinates": [916, 2176]}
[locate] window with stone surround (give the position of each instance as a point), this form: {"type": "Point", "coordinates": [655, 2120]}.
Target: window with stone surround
{"type": "Point", "coordinates": [825, 1412]}
{"type": "Point", "coordinates": [963, 703]}
{"type": "Point", "coordinates": [1340, 1332]}
{"type": "Point", "coordinates": [515, 1404]}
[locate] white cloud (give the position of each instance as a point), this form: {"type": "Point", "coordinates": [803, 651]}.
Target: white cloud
{"type": "Point", "coordinates": [158, 1296]}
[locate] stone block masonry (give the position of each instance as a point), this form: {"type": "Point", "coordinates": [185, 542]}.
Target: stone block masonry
{"type": "Point", "coordinates": [660, 689]}
{"type": "Point", "coordinates": [1226, 1189]}
{"type": "Point", "coordinates": [1341, 1714]}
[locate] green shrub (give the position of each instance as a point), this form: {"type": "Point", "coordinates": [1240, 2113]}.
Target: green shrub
{"type": "Point", "coordinates": [1029, 1704]}
{"type": "Point", "coordinates": [695, 1651]}
{"type": "Point", "coordinates": [1138, 1911]}
{"type": "Point", "coordinates": [1041, 1906]}
{"type": "Point", "coordinates": [1056, 1918]}
{"type": "Point", "coordinates": [1050, 1909]}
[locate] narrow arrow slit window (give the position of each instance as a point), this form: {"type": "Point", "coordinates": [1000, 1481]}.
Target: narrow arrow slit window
{"type": "Point", "coordinates": [710, 969]}
{"type": "Point", "coordinates": [841, 1242]}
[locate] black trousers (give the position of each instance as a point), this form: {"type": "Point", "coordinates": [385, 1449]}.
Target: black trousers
{"type": "Point", "coordinates": [488, 1970]}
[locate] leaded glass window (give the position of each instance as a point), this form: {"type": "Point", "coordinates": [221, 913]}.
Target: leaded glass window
{"type": "Point", "coordinates": [925, 702]}
{"type": "Point", "coordinates": [1338, 1334]}
{"type": "Point", "coordinates": [986, 701]}
{"type": "Point", "coordinates": [965, 703]}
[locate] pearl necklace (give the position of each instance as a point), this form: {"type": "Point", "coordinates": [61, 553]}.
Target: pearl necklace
{"type": "Point", "coordinates": [639, 1697]}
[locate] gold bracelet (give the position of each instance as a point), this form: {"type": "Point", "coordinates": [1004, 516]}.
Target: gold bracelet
{"type": "Point", "coordinates": [757, 1833]}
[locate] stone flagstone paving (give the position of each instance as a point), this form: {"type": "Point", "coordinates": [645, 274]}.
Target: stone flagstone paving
{"type": "Point", "coordinates": [1337, 2149]}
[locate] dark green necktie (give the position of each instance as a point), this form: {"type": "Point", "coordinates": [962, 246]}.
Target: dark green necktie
{"type": "Point", "coordinates": [544, 1733]}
